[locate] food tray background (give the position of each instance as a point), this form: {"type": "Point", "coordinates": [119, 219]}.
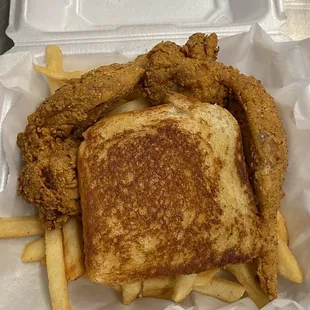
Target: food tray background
{"type": "Point", "coordinates": [85, 44]}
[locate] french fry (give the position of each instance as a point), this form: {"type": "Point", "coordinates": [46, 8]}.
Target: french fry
{"type": "Point", "coordinates": [56, 75]}
{"type": "Point", "coordinates": [282, 229]}
{"type": "Point", "coordinates": [53, 58]}
{"type": "Point", "coordinates": [246, 275]}
{"type": "Point", "coordinates": [73, 249]}
{"type": "Point", "coordinates": [34, 251]}
{"type": "Point", "coordinates": [131, 292]}
{"type": "Point", "coordinates": [183, 286]}
{"type": "Point", "coordinates": [54, 62]}
{"type": "Point", "coordinates": [205, 277]}
{"type": "Point", "coordinates": [164, 293]}
{"type": "Point", "coordinates": [223, 289]}
{"type": "Point", "coordinates": [55, 264]}
{"type": "Point", "coordinates": [12, 227]}
{"type": "Point", "coordinates": [287, 265]}
{"type": "Point", "coordinates": [156, 284]}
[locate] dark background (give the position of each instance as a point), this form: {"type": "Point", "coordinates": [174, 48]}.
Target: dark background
{"type": "Point", "coordinates": [5, 42]}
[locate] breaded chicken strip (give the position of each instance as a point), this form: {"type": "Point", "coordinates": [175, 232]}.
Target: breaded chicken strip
{"type": "Point", "coordinates": [168, 69]}
{"type": "Point", "coordinates": [50, 141]}
{"type": "Point", "coordinates": [163, 71]}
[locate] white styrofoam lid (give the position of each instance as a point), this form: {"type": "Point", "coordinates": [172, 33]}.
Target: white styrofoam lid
{"type": "Point", "coordinates": [41, 22]}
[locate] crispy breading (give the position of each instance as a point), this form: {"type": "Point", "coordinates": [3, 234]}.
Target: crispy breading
{"type": "Point", "coordinates": [170, 69]}
{"type": "Point", "coordinates": [201, 46]}
{"type": "Point", "coordinates": [267, 162]}
{"type": "Point", "coordinates": [265, 142]}
{"type": "Point", "coordinates": [50, 141]}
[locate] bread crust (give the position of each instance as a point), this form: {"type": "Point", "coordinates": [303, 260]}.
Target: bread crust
{"type": "Point", "coordinates": [164, 191]}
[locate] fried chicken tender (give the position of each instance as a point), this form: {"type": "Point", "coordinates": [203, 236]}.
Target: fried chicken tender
{"type": "Point", "coordinates": [201, 46]}
{"type": "Point", "coordinates": [50, 141]}
{"type": "Point", "coordinates": [169, 69]}
{"type": "Point", "coordinates": [174, 68]}
{"type": "Point", "coordinates": [266, 156]}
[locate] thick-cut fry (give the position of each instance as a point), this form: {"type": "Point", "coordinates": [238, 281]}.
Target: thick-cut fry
{"type": "Point", "coordinates": [131, 292]}
{"type": "Point", "coordinates": [183, 286]}
{"type": "Point", "coordinates": [246, 275]}
{"type": "Point", "coordinates": [53, 58]}
{"type": "Point", "coordinates": [223, 289]}
{"type": "Point", "coordinates": [164, 293]}
{"type": "Point", "coordinates": [34, 251]}
{"type": "Point", "coordinates": [226, 290]}
{"type": "Point", "coordinates": [54, 62]}
{"type": "Point", "coordinates": [73, 249]}
{"type": "Point", "coordinates": [12, 227]}
{"type": "Point", "coordinates": [158, 283]}
{"type": "Point", "coordinates": [58, 75]}
{"type": "Point", "coordinates": [55, 264]}
{"type": "Point", "coordinates": [282, 229]}
{"type": "Point", "coordinates": [288, 266]}
{"type": "Point", "coordinates": [205, 277]}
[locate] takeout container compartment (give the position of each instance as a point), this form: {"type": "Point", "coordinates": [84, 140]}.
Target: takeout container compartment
{"type": "Point", "coordinates": [94, 32]}
{"type": "Point", "coordinates": [133, 26]}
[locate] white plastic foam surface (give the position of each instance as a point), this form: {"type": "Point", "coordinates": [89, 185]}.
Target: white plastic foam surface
{"type": "Point", "coordinates": [284, 68]}
{"type": "Point", "coordinates": [110, 25]}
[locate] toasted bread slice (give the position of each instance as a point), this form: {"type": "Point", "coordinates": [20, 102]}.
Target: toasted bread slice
{"type": "Point", "coordinates": [164, 191]}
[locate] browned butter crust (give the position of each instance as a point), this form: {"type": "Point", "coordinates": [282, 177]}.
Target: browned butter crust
{"type": "Point", "coordinates": [165, 191]}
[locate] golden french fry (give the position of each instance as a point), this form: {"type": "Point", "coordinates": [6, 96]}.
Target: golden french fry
{"type": "Point", "coordinates": [73, 249]}
{"type": "Point", "coordinates": [205, 277]}
{"type": "Point", "coordinates": [54, 62]}
{"type": "Point", "coordinates": [183, 286]}
{"type": "Point", "coordinates": [131, 292]}
{"type": "Point", "coordinates": [34, 251]}
{"type": "Point", "coordinates": [223, 289]}
{"type": "Point", "coordinates": [288, 266]}
{"type": "Point", "coordinates": [58, 75]}
{"type": "Point", "coordinates": [137, 104]}
{"type": "Point", "coordinates": [12, 227]}
{"type": "Point", "coordinates": [282, 229]}
{"type": "Point", "coordinates": [163, 293]}
{"type": "Point", "coordinates": [55, 264]}
{"type": "Point", "coordinates": [156, 284]}
{"type": "Point", "coordinates": [246, 275]}
{"type": "Point", "coordinates": [53, 58]}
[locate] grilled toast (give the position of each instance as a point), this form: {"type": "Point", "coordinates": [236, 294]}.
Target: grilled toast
{"type": "Point", "coordinates": [164, 191]}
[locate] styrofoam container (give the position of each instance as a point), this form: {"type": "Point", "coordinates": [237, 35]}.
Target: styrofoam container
{"type": "Point", "coordinates": [118, 30]}
{"type": "Point", "coordinates": [133, 26]}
